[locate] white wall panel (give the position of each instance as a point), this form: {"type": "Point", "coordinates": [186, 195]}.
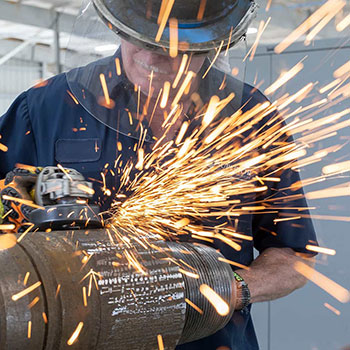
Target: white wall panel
{"type": "Point", "coordinates": [16, 76]}
{"type": "Point", "coordinates": [301, 321]}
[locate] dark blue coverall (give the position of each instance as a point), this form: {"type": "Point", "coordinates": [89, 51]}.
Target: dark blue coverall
{"type": "Point", "coordinates": [44, 127]}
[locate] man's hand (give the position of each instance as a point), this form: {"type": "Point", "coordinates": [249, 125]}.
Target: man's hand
{"type": "Point", "coordinates": [19, 183]}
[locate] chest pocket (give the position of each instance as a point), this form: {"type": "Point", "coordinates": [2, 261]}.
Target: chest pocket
{"type": "Point", "coordinates": [77, 151]}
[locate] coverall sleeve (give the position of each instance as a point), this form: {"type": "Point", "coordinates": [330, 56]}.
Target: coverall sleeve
{"type": "Point", "coordinates": [17, 136]}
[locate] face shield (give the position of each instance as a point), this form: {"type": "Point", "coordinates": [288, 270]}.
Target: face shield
{"type": "Point", "coordinates": [144, 84]}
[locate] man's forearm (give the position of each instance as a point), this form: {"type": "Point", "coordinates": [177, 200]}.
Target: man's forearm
{"type": "Point", "coordinates": [272, 275]}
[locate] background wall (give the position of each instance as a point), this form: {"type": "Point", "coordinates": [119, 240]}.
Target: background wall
{"type": "Point", "coordinates": [302, 321]}
{"type": "Point", "coordinates": [17, 75]}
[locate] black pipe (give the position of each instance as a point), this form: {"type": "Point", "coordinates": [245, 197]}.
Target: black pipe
{"type": "Point", "coordinates": [129, 306]}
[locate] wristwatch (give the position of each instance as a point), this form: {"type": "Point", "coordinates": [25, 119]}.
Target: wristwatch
{"type": "Point", "coordinates": [243, 293]}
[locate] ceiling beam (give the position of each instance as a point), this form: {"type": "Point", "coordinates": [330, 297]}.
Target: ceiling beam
{"type": "Point", "coordinates": [35, 16]}
{"type": "Point", "coordinates": [35, 52]}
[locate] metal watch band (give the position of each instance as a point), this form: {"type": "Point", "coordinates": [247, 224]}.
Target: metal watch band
{"type": "Point", "coordinates": [243, 287]}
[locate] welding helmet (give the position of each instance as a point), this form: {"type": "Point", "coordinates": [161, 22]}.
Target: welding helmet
{"type": "Point", "coordinates": [202, 25]}
{"type": "Point", "coordinates": [119, 68]}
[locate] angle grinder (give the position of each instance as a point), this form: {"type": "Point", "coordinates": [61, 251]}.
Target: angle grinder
{"type": "Point", "coordinates": [64, 196]}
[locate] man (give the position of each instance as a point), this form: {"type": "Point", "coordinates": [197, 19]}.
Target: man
{"type": "Point", "coordinates": [91, 117]}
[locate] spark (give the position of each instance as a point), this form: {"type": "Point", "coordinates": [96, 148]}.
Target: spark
{"type": "Point", "coordinates": [287, 219]}
{"type": "Point", "coordinates": [239, 235]}
{"type": "Point", "coordinates": [189, 274]}
{"type": "Point", "coordinates": [117, 66]}
{"type": "Point", "coordinates": [306, 26]}
{"type": "Point", "coordinates": [215, 299]}
{"type": "Point", "coordinates": [26, 291]}
{"type": "Point", "coordinates": [65, 171]}
{"type": "Point", "coordinates": [284, 77]}
{"type": "Point", "coordinates": [135, 263]}
{"type": "Point", "coordinates": [268, 5]}
{"type": "Point", "coordinates": [28, 202]}
{"type": "Point", "coordinates": [262, 27]}
{"type": "Point", "coordinates": [105, 89]}
{"type": "Point", "coordinates": [189, 302]}
{"type": "Point", "coordinates": [7, 227]}
{"type": "Point", "coordinates": [29, 334]}
{"type": "Point", "coordinates": [337, 7]}
{"type": "Point", "coordinates": [26, 277]}
{"type": "Point", "coordinates": [211, 111]}
{"type": "Point", "coordinates": [44, 316]}
{"type": "Point", "coordinates": [165, 96]}
{"type": "Point", "coordinates": [73, 97]}
{"type": "Point", "coordinates": [57, 290]}
{"type": "Point", "coordinates": [141, 155]}
{"type": "Point", "coordinates": [229, 42]}
{"type": "Point", "coordinates": [329, 193]}
{"type": "Point", "coordinates": [234, 263]}
{"type": "Point", "coordinates": [332, 308]}
{"type": "Point", "coordinates": [161, 11]}
{"type": "Point", "coordinates": [92, 278]}
{"type": "Point", "coordinates": [3, 148]}
{"type": "Point", "coordinates": [322, 250]}
{"type": "Point", "coordinates": [33, 302]}
{"type": "Point", "coordinates": [331, 287]}
{"type": "Point", "coordinates": [160, 342]}
{"type": "Point", "coordinates": [180, 71]}
{"type": "Point", "coordinates": [174, 37]}
{"type": "Point", "coordinates": [167, 6]}
{"type": "Point", "coordinates": [329, 86]}
{"type": "Point", "coordinates": [182, 132]}
{"type": "Point", "coordinates": [181, 223]}
{"type": "Point", "coordinates": [214, 59]}
{"type": "Point", "coordinates": [75, 334]}
{"type": "Point", "coordinates": [85, 189]}
{"type": "Point", "coordinates": [342, 70]}
{"type": "Point", "coordinates": [84, 297]}
{"type": "Point", "coordinates": [336, 168]}
{"type": "Point", "coordinates": [345, 22]}
{"type": "Point", "coordinates": [201, 10]}
{"type": "Point", "coordinates": [190, 75]}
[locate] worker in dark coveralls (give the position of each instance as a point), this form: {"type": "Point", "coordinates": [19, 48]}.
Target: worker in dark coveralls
{"type": "Point", "coordinates": [68, 121]}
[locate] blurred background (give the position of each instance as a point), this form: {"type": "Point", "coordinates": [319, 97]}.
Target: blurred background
{"type": "Point", "coordinates": [34, 38]}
